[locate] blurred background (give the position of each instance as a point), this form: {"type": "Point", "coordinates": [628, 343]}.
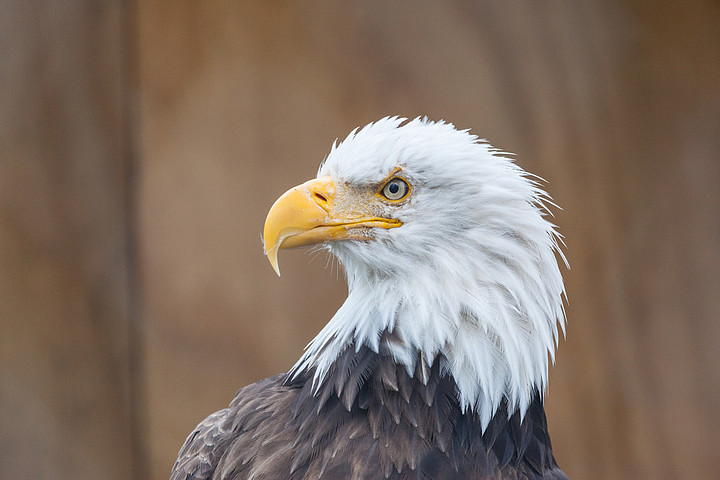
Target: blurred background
{"type": "Point", "coordinates": [142, 143]}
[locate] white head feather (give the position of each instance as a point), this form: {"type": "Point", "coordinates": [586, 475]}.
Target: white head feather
{"type": "Point", "coordinates": [471, 274]}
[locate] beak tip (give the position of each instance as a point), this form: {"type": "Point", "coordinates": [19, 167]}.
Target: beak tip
{"type": "Point", "coordinates": [272, 258]}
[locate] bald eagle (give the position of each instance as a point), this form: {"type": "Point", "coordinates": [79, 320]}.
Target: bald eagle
{"type": "Point", "coordinates": [436, 364]}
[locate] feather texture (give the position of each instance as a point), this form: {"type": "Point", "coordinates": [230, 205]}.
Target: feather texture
{"type": "Point", "coordinates": [280, 428]}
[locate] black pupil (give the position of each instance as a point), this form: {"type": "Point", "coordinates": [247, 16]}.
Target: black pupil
{"type": "Point", "coordinates": [394, 188]}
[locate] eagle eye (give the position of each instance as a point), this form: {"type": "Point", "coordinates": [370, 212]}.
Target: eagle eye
{"type": "Point", "coordinates": [396, 189]}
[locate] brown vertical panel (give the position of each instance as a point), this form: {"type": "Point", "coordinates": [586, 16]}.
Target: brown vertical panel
{"type": "Point", "coordinates": [65, 401]}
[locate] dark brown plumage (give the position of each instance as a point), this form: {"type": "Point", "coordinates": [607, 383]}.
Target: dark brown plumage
{"type": "Point", "coordinates": [369, 420]}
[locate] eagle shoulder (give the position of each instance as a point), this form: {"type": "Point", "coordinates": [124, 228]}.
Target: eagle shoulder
{"type": "Point", "coordinates": [202, 456]}
{"type": "Point", "coordinates": [373, 420]}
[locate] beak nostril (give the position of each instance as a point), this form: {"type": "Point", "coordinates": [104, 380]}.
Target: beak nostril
{"type": "Point", "coordinates": [320, 197]}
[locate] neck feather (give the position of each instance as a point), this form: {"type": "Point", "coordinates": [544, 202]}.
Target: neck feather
{"type": "Point", "coordinates": [492, 338]}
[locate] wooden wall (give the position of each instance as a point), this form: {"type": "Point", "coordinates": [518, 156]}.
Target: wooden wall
{"type": "Point", "coordinates": [67, 361]}
{"type": "Point", "coordinates": [141, 144]}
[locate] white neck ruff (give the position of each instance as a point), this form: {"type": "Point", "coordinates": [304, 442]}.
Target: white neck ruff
{"type": "Point", "coordinates": [496, 336]}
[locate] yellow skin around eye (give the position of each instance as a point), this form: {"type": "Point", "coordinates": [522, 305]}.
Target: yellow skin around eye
{"type": "Point", "coordinates": [402, 189]}
{"type": "Point", "coordinates": [394, 175]}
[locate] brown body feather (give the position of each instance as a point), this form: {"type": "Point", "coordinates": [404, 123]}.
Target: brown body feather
{"type": "Point", "coordinates": [368, 420]}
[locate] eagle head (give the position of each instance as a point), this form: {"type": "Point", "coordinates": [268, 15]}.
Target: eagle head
{"type": "Point", "coordinates": [446, 244]}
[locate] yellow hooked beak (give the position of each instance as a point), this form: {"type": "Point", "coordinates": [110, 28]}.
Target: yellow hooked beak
{"type": "Point", "coordinates": [316, 212]}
